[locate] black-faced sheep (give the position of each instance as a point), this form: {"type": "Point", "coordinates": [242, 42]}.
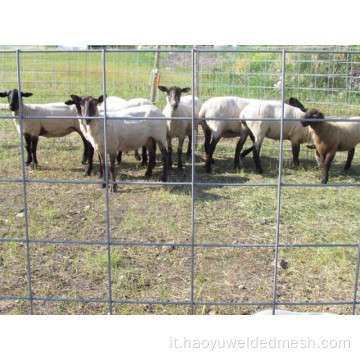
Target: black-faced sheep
{"type": "Point", "coordinates": [178, 106]}
{"type": "Point", "coordinates": [122, 135]}
{"type": "Point", "coordinates": [259, 129]}
{"type": "Point", "coordinates": [35, 127]}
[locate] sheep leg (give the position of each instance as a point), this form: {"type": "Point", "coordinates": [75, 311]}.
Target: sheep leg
{"type": "Point", "coordinates": [144, 155]}
{"type": "Point", "coordinates": [151, 164]}
{"type": "Point", "coordinates": [179, 152]}
{"type": "Point", "coordinates": [169, 146]}
{"type": "Point", "coordinates": [34, 141]}
{"type": "Point", "coordinates": [102, 167]}
{"type": "Point", "coordinates": [209, 155]}
{"type": "Point", "coordinates": [247, 132]}
{"type": "Point", "coordinates": [153, 159]}
{"type": "Point", "coordinates": [102, 160]}
{"type": "Point", "coordinates": [112, 171]}
{"type": "Point", "coordinates": [164, 155]}
{"type": "Point", "coordinates": [118, 157]}
{"type": "Point", "coordinates": [349, 158]}
{"type": "Point", "coordinates": [319, 160]}
{"type": "Point", "coordinates": [207, 134]}
{"type": "Point", "coordinates": [325, 170]}
{"type": "Point", "coordinates": [90, 154]}
{"type": "Point", "coordinates": [238, 149]}
{"type": "Point", "coordinates": [295, 151]}
{"type": "Point", "coordinates": [256, 157]}
{"type": "Point", "coordinates": [136, 155]}
{"type": "Point", "coordinates": [188, 153]}
{"type": "Point", "coordinates": [28, 149]}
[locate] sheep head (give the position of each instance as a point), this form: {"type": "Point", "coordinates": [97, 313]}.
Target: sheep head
{"type": "Point", "coordinates": [312, 114]}
{"type": "Point", "coordinates": [86, 106]}
{"type": "Point", "coordinates": [296, 103]}
{"type": "Point", "coordinates": [173, 95]}
{"type": "Point", "coordinates": [13, 97]}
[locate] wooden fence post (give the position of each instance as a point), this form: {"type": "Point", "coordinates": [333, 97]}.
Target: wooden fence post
{"type": "Point", "coordinates": [155, 76]}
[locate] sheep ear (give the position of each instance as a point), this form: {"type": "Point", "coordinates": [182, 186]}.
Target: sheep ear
{"type": "Point", "coordinates": [163, 88]}
{"type": "Point", "coordinates": [28, 94]}
{"type": "Point", "coordinates": [75, 98]}
{"type": "Point", "coordinates": [3, 94]}
{"type": "Point", "coordinates": [100, 99]}
{"type": "Point", "coordinates": [185, 90]}
{"type": "Point", "coordinates": [69, 102]}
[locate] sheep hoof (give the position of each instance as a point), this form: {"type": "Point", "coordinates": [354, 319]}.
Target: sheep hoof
{"type": "Point", "coordinates": [113, 188]}
{"type": "Point", "coordinates": [103, 186]}
{"type": "Point", "coordinates": [147, 174]}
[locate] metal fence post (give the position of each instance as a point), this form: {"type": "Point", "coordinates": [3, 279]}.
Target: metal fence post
{"type": "Point", "coordinates": [24, 183]}
{"type": "Point", "coordinates": [279, 181]}
{"type": "Point", "coordinates": [107, 183]}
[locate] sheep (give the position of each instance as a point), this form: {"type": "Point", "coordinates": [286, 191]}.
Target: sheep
{"type": "Point", "coordinates": [221, 107]}
{"type": "Point", "coordinates": [179, 107]}
{"type": "Point", "coordinates": [330, 137]}
{"type": "Point", "coordinates": [188, 99]}
{"type": "Point", "coordinates": [122, 135]}
{"type": "Point", "coordinates": [267, 109]}
{"type": "Point", "coordinates": [114, 103]}
{"type": "Point", "coordinates": [35, 127]}
{"type": "Point", "coordinates": [227, 107]}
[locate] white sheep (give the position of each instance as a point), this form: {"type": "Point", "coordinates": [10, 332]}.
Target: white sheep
{"type": "Point", "coordinates": [267, 109]}
{"type": "Point", "coordinates": [330, 137]}
{"type": "Point", "coordinates": [123, 135]}
{"type": "Point", "coordinates": [227, 107]}
{"type": "Point", "coordinates": [35, 127]}
{"type": "Point", "coordinates": [221, 107]}
{"type": "Point", "coordinates": [114, 103]}
{"type": "Point", "coordinates": [178, 106]}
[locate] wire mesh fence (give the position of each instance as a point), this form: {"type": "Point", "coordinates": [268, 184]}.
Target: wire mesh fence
{"type": "Point", "coordinates": [199, 243]}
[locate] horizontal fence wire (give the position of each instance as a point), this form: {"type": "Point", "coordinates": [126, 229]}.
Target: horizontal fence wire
{"type": "Point", "coordinates": [278, 183]}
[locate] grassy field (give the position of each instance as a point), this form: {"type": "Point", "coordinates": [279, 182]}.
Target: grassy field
{"type": "Point", "coordinates": [224, 215]}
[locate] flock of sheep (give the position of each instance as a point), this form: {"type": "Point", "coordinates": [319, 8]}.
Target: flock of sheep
{"type": "Point", "coordinates": [137, 129]}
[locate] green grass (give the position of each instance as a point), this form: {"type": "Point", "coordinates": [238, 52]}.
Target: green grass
{"type": "Point", "coordinates": [162, 214]}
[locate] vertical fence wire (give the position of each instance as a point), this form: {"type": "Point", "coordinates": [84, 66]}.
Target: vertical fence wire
{"type": "Point", "coordinates": [24, 183]}
{"type": "Point", "coordinates": [279, 183]}
{"type": "Point", "coordinates": [107, 182]}
{"type": "Point", "coordinates": [193, 183]}
{"type": "Point", "coordinates": [356, 279]}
